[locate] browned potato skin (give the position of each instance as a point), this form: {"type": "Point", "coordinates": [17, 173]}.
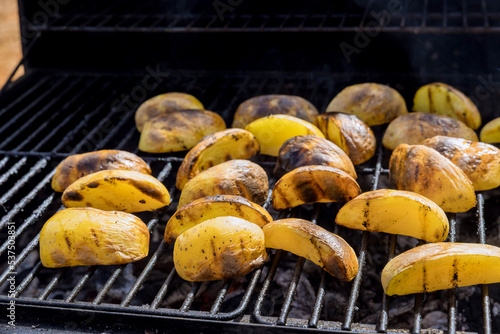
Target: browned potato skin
{"type": "Point", "coordinates": [311, 150]}
{"type": "Point", "coordinates": [479, 161]}
{"type": "Point", "coordinates": [75, 166]}
{"type": "Point", "coordinates": [416, 127]}
{"type": "Point", "coordinates": [373, 103]}
{"type": "Point", "coordinates": [265, 105]}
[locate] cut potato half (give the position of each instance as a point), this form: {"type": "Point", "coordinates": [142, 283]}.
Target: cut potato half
{"type": "Point", "coordinates": [490, 133]}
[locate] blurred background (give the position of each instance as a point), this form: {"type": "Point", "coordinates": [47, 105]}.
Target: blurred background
{"type": "Point", "coordinates": [10, 42]}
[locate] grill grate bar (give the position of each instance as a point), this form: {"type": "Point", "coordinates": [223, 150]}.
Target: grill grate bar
{"type": "Point", "coordinates": [417, 320]}
{"type": "Point", "coordinates": [384, 313]}
{"type": "Point", "coordinates": [481, 233]}
{"type": "Point", "coordinates": [24, 95]}
{"type": "Point", "coordinates": [40, 165]}
{"type": "Point", "coordinates": [81, 283]}
{"type": "Point", "coordinates": [27, 280]}
{"type": "Point", "coordinates": [318, 305]}
{"type": "Point", "coordinates": [53, 283]}
{"type": "Point", "coordinates": [163, 290]}
{"type": "Point", "coordinates": [452, 301]}
{"type": "Point", "coordinates": [19, 259]}
{"type": "Point", "coordinates": [188, 301]}
{"type": "Point", "coordinates": [12, 170]}
{"type": "Point", "coordinates": [220, 297]}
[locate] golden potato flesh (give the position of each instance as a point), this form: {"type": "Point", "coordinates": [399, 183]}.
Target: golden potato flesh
{"type": "Point", "coordinates": [120, 190]}
{"type": "Point", "coordinates": [490, 133]}
{"type": "Point", "coordinates": [479, 161]}
{"type": "Point", "coordinates": [421, 169]}
{"type": "Point", "coordinates": [219, 248]}
{"type": "Point", "coordinates": [373, 103]}
{"type": "Point", "coordinates": [273, 131]}
{"type": "Point", "coordinates": [234, 177]}
{"type": "Point", "coordinates": [87, 237]}
{"type": "Point", "coordinates": [265, 105]}
{"type": "Point", "coordinates": [442, 99]}
{"type": "Point", "coordinates": [350, 134]}
{"type": "Point", "coordinates": [215, 149]}
{"type": "Point", "coordinates": [210, 207]}
{"type": "Point", "coordinates": [305, 239]}
{"type": "Point", "coordinates": [395, 212]}
{"type": "Point", "coordinates": [441, 265]}
{"type": "Point", "coordinates": [416, 127]}
{"type": "Point", "coordinates": [75, 166]}
{"type": "Point", "coordinates": [178, 130]}
{"type": "Point", "coordinates": [164, 103]}
{"type": "Point", "coordinates": [311, 150]}
{"type": "Point", "coordinates": [313, 184]}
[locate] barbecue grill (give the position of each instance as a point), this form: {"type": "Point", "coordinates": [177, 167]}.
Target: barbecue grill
{"type": "Point", "coordinates": [89, 65]}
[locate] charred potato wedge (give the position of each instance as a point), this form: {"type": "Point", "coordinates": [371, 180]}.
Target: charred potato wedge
{"type": "Point", "coordinates": [210, 207]}
{"type": "Point", "coordinates": [164, 103]}
{"type": "Point", "coordinates": [87, 237]}
{"type": "Point", "coordinates": [490, 133]}
{"type": "Point", "coordinates": [416, 127]}
{"type": "Point", "coordinates": [350, 134]}
{"type": "Point", "coordinates": [442, 99]}
{"type": "Point", "coordinates": [234, 177]}
{"type": "Point", "coordinates": [273, 131]}
{"type": "Point", "coordinates": [219, 248]}
{"type": "Point", "coordinates": [479, 161]}
{"type": "Point", "coordinates": [265, 105]}
{"type": "Point", "coordinates": [373, 103]}
{"type": "Point", "coordinates": [120, 190]}
{"type": "Point", "coordinates": [214, 149]}
{"type": "Point", "coordinates": [178, 130]}
{"type": "Point", "coordinates": [442, 265]}
{"type": "Point", "coordinates": [423, 170]}
{"type": "Point", "coordinates": [75, 166]}
{"type": "Point", "coordinates": [395, 212]}
{"type": "Point", "coordinates": [313, 184]}
{"type": "Point", "coordinates": [305, 239]}
{"type": "Point", "coordinates": [311, 150]}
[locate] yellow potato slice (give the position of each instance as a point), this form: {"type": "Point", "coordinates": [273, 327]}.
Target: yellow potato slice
{"type": "Point", "coordinates": [87, 237]}
{"type": "Point", "coordinates": [395, 212]}
{"type": "Point", "coordinates": [490, 133]}
{"type": "Point", "coordinates": [439, 266]}
{"type": "Point", "coordinates": [303, 238]}
{"type": "Point", "coordinates": [120, 190]}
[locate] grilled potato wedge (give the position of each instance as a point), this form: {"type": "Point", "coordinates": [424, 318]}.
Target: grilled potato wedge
{"type": "Point", "coordinates": [87, 237]}
{"type": "Point", "coordinates": [265, 105]}
{"type": "Point", "coordinates": [210, 207]}
{"type": "Point", "coordinates": [313, 184]}
{"type": "Point", "coordinates": [441, 265]}
{"type": "Point", "coordinates": [395, 212]}
{"type": "Point", "coordinates": [303, 238]}
{"type": "Point", "coordinates": [120, 190]}
{"type": "Point", "coordinates": [219, 248]}
{"type": "Point", "coordinates": [272, 131]}
{"type": "Point", "coordinates": [234, 177]}
{"type": "Point", "coordinates": [311, 150]}
{"type": "Point", "coordinates": [442, 99]}
{"type": "Point", "coordinates": [423, 170]}
{"type": "Point", "coordinates": [350, 134]}
{"type": "Point", "coordinates": [416, 127]}
{"type": "Point", "coordinates": [479, 161]}
{"type": "Point", "coordinates": [164, 103]}
{"type": "Point", "coordinates": [75, 166]}
{"type": "Point", "coordinates": [215, 149]}
{"type": "Point", "coordinates": [178, 130]}
{"type": "Point", "coordinates": [490, 133]}
{"type": "Point", "coordinates": [373, 103]}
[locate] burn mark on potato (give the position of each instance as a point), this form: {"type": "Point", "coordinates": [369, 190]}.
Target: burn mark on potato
{"type": "Point", "coordinates": [94, 237]}
{"type": "Point", "coordinates": [93, 184]}
{"type": "Point", "coordinates": [307, 191]}
{"type": "Point", "coordinates": [149, 191]}
{"type": "Point", "coordinates": [73, 196]}
{"type": "Point", "coordinates": [68, 242]}
{"type": "Point", "coordinates": [454, 279]}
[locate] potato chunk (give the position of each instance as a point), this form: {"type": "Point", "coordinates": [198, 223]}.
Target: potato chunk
{"type": "Point", "coordinates": [490, 133]}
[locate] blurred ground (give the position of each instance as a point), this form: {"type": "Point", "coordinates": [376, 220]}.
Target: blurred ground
{"type": "Point", "coordinates": [10, 42]}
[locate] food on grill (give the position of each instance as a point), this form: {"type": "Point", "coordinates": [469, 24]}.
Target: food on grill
{"type": "Point", "coordinates": [349, 133]}
{"type": "Point", "coordinates": [311, 150]}
{"type": "Point", "coordinates": [313, 184]}
{"type": "Point", "coordinates": [490, 133]}
{"type": "Point", "coordinates": [416, 127]}
{"type": "Point", "coordinates": [272, 131]}
{"type": "Point", "coordinates": [87, 237]}
{"type": "Point", "coordinates": [442, 99]}
{"type": "Point", "coordinates": [120, 190]}
{"type": "Point", "coordinates": [442, 265]}
{"type": "Point", "coordinates": [395, 212]}
{"type": "Point", "coordinates": [219, 248]}
{"type": "Point", "coordinates": [303, 238]}
{"type": "Point", "coordinates": [164, 103]}
{"type": "Point", "coordinates": [423, 170]}
{"type": "Point", "coordinates": [234, 177]}
{"type": "Point", "coordinates": [214, 149]}
{"type": "Point", "coordinates": [479, 161]}
{"type": "Point", "coordinates": [209, 207]}
{"type": "Point", "coordinates": [373, 103]}
{"type": "Point", "coordinates": [75, 166]}
{"type": "Point", "coordinates": [178, 130]}
{"type": "Point", "coordinates": [265, 105]}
